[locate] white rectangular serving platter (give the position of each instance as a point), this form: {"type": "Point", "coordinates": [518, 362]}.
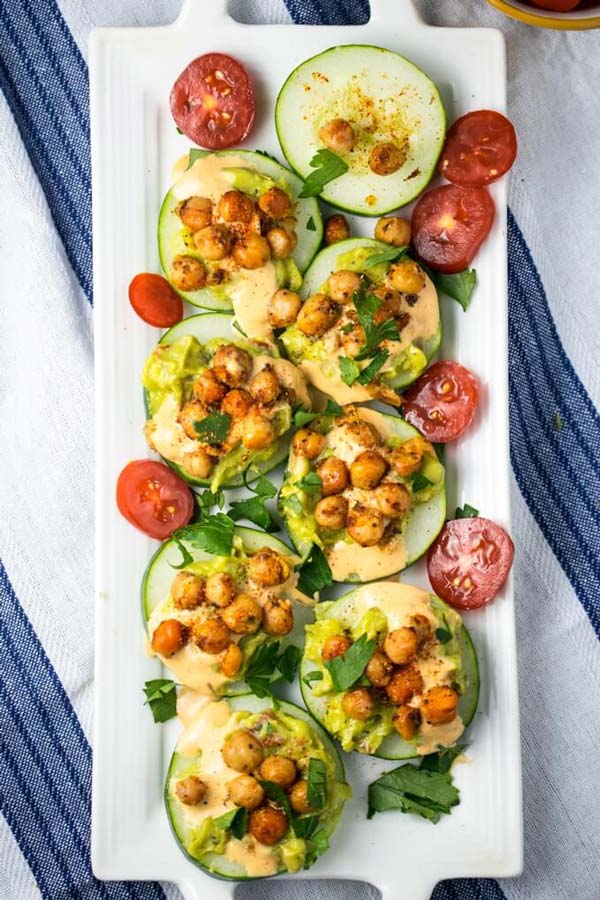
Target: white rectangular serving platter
{"type": "Point", "coordinates": [134, 143]}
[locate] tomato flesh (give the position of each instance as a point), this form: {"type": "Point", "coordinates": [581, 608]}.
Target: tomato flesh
{"type": "Point", "coordinates": [153, 498]}
{"type": "Point", "coordinates": [449, 224]}
{"type": "Point", "coordinates": [469, 562]}
{"type": "Point", "coordinates": [442, 402]}
{"type": "Point", "coordinates": [155, 301]}
{"type": "Point", "coordinates": [556, 5]}
{"type": "Point", "coordinates": [480, 147]}
{"type": "Point", "coordinates": [212, 101]}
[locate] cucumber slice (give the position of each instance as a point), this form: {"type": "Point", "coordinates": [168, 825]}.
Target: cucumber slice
{"type": "Point", "coordinates": [172, 235]}
{"type": "Point", "coordinates": [347, 610]}
{"type": "Point", "coordinates": [206, 327]}
{"type": "Point", "coordinates": [386, 98]}
{"type": "Point", "coordinates": [217, 864]}
{"type": "Point", "coordinates": [424, 522]}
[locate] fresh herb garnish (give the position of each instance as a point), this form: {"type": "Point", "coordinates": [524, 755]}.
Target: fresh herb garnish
{"type": "Point", "coordinates": [161, 697]}
{"type": "Point", "coordinates": [214, 428]}
{"type": "Point", "coordinates": [316, 791]}
{"type": "Point", "coordinates": [253, 508]}
{"type": "Point", "coordinates": [326, 167]}
{"type": "Point", "coordinates": [316, 845]}
{"type": "Point", "coordinates": [238, 327]}
{"type": "Point", "coordinates": [386, 256]}
{"type": "Point", "coordinates": [310, 225]}
{"type": "Point", "coordinates": [314, 573]}
{"type": "Point", "coordinates": [465, 512]}
{"type": "Point", "coordinates": [366, 306]}
{"type": "Point", "coordinates": [206, 500]}
{"type": "Point", "coordinates": [288, 662]}
{"type": "Point", "coordinates": [311, 483]}
{"type": "Point", "coordinates": [312, 676]}
{"type": "Point", "coordinates": [186, 556]}
{"type": "Point", "coordinates": [349, 371]}
{"type": "Point", "coordinates": [269, 665]}
{"type": "Point", "coordinates": [213, 534]}
{"type": "Point", "coordinates": [443, 759]}
{"type": "Point", "coordinates": [420, 482]}
{"type": "Point", "coordinates": [345, 670]}
{"type": "Point", "coordinates": [293, 503]}
{"type": "Point", "coordinates": [423, 791]}
{"type": "Point", "coordinates": [305, 827]}
{"type": "Point", "coordinates": [443, 633]}
{"type": "Point", "coordinates": [459, 286]}
{"type": "Point", "coordinates": [277, 795]}
{"type": "Point", "coordinates": [369, 372]}
{"type": "Point", "coordinates": [235, 821]}
{"type": "Point", "coordinates": [302, 417]}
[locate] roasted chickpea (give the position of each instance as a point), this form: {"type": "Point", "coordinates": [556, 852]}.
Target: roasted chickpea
{"type": "Point", "coordinates": [363, 433]}
{"type": "Point", "coordinates": [237, 403]}
{"type": "Point", "coordinates": [268, 825]}
{"type": "Point", "coordinates": [195, 212]}
{"type": "Point", "coordinates": [278, 617]}
{"type": "Point", "coordinates": [379, 669]}
{"type": "Point", "coordinates": [393, 230]}
{"type": "Point", "coordinates": [281, 242]}
{"type": "Point", "coordinates": [407, 457]}
{"type": "Point", "coordinates": [308, 443]}
{"type": "Point", "coordinates": [267, 568]}
{"type": "Point", "coordinates": [284, 306]}
{"type": "Point", "coordinates": [358, 704]}
{"type": "Point", "coordinates": [333, 474]}
{"type": "Point", "coordinates": [243, 752]}
{"type": "Point", "coordinates": [406, 721]}
{"type": "Point", "coordinates": [191, 790]}
{"type": "Point", "coordinates": [169, 637]}
{"type": "Point", "coordinates": [213, 242]}
{"type": "Point", "coordinates": [187, 273]}
{"type": "Point", "coordinates": [386, 158]}
{"type": "Point", "coordinates": [439, 704]}
{"type": "Point", "coordinates": [232, 660]}
{"type": "Point", "coordinates": [197, 464]}
{"type": "Point", "coordinates": [251, 251]}
{"type": "Point", "coordinates": [404, 684]}
{"type": "Point", "coordinates": [264, 387]}
{"type": "Point", "coordinates": [406, 276]}
{"type": "Point", "coordinates": [392, 499]}
{"type": "Point", "coordinates": [353, 336]}
{"type": "Point", "coordinates": [220, 589]}
{"type": "Point", "coordinates": [336, 645]}
{"type": "Point", "coordinates": [187, 590]}
{"type": "Point", "coordinates": [365, 526]}
{"type": "Point", "coordinates": [232, 365]}
{"type": "Point", "coordinates": [275, 203]}
{"type": "Point", "coordinates": [211, 636]}
{"type": "Point", "coordinates": [336, 228]}
{"type": "Point", "coordinates": [208, 389]}
{"type": "Point", "coordinates": [423, 627]}
{"type": "Point", "coordinates": [338, 135]}
{"type": "Point", "coordinates": [331, 513]}
{"type": "Point", "coordinates": [189, 415]}
{"type": "Point", "coordinates": [390, 306]}
{"type": "Point", "coordinates": [343, 285]}
{"type": "Point", "coordinates": [401, 645]}
{"type": "Point", "coordinates": [367, 470]}
{"type": "Point", "coordinates": [235, 206]}
{"type": "Point", "coordinates": [243, 615]}
{"type": "Point", "coordinates": [258, 433]}
{"type": "Point", "coordinates": [317, 315]}
{"type": "Point", "coordinates": [299, 797]}
{"type": "Point", "coordinates": [245, 791]}
{"type": "Point", "coordinates": [279, 769]}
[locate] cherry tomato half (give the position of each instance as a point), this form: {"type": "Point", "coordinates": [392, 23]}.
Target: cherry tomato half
{"type": "Point", "coordinates": [480, 148]}
{"type": "Point", "coordinates": [442, 402]}
{"type": "Point", "coordinates": [556, 5]}
{"type": "Point", "coordinates": [153, 498]}
{"type": "Point", "coordinates": [449, 224]}
{"type": "Point", "coordinates": [469, 562]}
{"type": "Point", "coordinates": [212, 101]}
{"type": "Point", "coordinates": [155, 301]}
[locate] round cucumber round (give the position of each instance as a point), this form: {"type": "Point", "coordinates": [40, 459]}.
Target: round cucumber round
{"type": "Point", "coordinates": [217, 864]}
{"type": "Point", "coordinates": [206, 327]}
{"type": "Point", "coordinates": [174, 239]}
{"type": "Point", "coordinates": [424, 521]}
{"type": "Point", "coordinates": [386, 98]}
{"type": "Point", "coordinates": [393, 746]}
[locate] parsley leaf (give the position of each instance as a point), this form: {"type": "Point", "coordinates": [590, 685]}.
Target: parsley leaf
{"type": "Point", "coordinates": [348, 668]}
{"type": "Point", "coordinates": [316, 791]}
{"type": "Point", "coordinates": [459, 286]}
{"type": "Point", "coordinates": [206, 500]}
{"type": "Point", "coordinates": [305, 826]}
{"type": "Point", "coordinates": [317, 844]}
{"type": "Point", "coordinates": [315, 573]}
{"type": "Point", "coordinates": [386, 256]}
{"type": "Point", "coordinates": [161, 697]}
{"type": "Point", "coordinates": [263, 669]}
{"type": "Point", "coordinates": [366, 306]}
{"type": "Point", "coordinates": [442, 760]}
{"type": "Point", "coordinates": [369, 372]}
{"type": "Point", "coordinates": [186, 556]}
{"type": "Point", "coordinates": [288, 662]}
{"type": "Point", "coordinates": [262, 487]}
{"type": "Point", "coordinates": [253, 509]}
{"type": "Point", "coordinates": [466, 512]}
{"type": "Point", "coordinates": [277, 795]}
{"type": "Point", "coordinates": [326, 167]}
{"type": "Point", "coordinates": [235, 821]}
{"type": "Point", "coordinates": [419, 482]}
{"type": "Point", "coordinates": [312, 676]}
{"type": "Point", "coordinates": [443, 633]}
{"type": "Point", "coordinates": [349, 371]}
{"type": "Point", "coordinates": [310, 225]}
{"type": "Point", "coordinates": [311, 483]}
{"type": "Point", "coordinates": [214, 428]}
{"type": "Point", "coordinates": [302, 417]}
{"type": "Point", "coordinates": [213, 534]}
{"type": "Point", "coordinates": [422, 791]}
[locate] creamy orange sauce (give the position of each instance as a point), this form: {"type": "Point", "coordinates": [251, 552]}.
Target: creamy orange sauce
{"type": "Point", "coordinates": [432, 737]}
{"type": "Point", "coordinates": [257, 859]}
{"type": "Point", "coordinates": [288, 376]}
{"type": "Point", "coordinates": [207, 177]}
{"type": "Point", "coordinates": [349, 560]}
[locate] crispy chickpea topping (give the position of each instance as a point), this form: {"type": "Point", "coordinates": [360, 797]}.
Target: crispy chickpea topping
{"type": "Point", "coordinates": [336, 228]}
{"type": "Point", "coordinates": [284, 306]}
{"type": "Point", "coordinates": [267, 568]}
{"type": "Point", "coordinates": [243, 752]}
{"type": "Point", "coordinates": [187, 590]}
{"type": "Point", "coordinates": [338, 135]}
{"type": "Point", "coordinates": [336, 645]}
{"type": "Point", "coordinates": [196, 213]}
{"type": "Point", "coordinates": [318, 315]}
{"type": "Point", "coordinates": [386, 158]}
{"type": "Point", "coordinates": [187, 273]}
{"type": "Point", "coordinates": [212, 636]}
{"type": "Point", "coordinates": [243, 615]}
{"type": "Point", "coordinates": [439, 704]}
{"type": "Point", "coordinates": [393, 230]}
{"type": "Point", "coordinates": [169, 637]}
{"type": "Point", "coordinates": [308, 443]}
{"type": "Point", "coordinates": [268, 825]}
{"type": "Point", "coordinates": [191, 790]}
{"type": "Point", "coordinates": [232, 660]}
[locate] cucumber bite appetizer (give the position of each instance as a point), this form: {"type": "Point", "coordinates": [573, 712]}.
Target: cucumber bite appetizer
{"type": "Point", "coordinates": [365, 487]}
{"type": "Point", "coordinates": [208, 614]}
{"type": "Point", "coordinates": [253, 791]}
{"type": "Point", "coordinates": [390, 670]}
{"type": "Point", "coordinates": [368, 326]}
{"type": "Point", "coordinates": [219, 406]}
{"type": "Point", "coordinates": [376, 119]}
{"type": "Point", "coordinates": [232, 232]}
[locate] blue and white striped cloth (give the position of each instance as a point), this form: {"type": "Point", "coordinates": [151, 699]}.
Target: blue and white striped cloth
{"type": "Point", "coordinates": [46, 413]}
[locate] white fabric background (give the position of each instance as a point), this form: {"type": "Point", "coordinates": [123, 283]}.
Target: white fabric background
{"type": "Point", "coordinates": [46, 417]}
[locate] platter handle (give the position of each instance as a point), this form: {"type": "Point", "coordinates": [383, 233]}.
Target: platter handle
{"type": "Point", "coordinates": [400, 12]}
{"type": "Point", "coordinates": [200, 13]}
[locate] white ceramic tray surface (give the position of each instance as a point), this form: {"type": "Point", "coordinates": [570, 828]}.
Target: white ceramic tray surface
{"type": "Point", "coordinates": [134, 143]}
